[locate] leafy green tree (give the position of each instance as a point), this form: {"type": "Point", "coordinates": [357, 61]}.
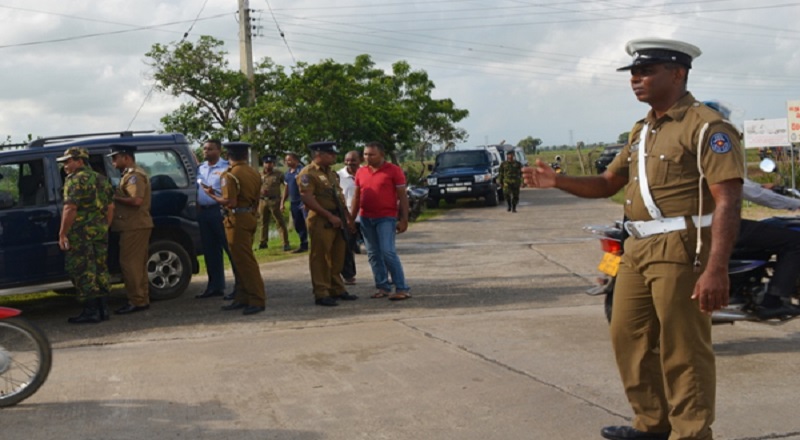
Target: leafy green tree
{"type": "Point", "coordinates": [348, 103]}
{"type": "Point", "coordinates": [623, 137]}
{"type": "Point", "coordinates": [529, 144]}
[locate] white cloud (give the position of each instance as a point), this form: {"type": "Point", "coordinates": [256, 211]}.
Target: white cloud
{"type": "Point", "coordinates": [520, 68]}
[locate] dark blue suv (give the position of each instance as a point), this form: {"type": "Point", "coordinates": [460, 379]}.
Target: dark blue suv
{"type": "Point", "coordinates": [459, 174]}
{"type": "Point", "coordinates": [31, 203]}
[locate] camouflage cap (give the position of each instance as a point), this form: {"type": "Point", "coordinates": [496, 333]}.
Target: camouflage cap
{"type": "Point", "coordinates": [74, 153]}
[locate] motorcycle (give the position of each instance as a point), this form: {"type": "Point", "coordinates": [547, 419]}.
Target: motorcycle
{"type": "Point", "coordinates": [417, 199]}
{"type": "Point", "coordinates": [749, 274]}
{"type": "Point", "coordinates": [556, 166]}
{"type": "Point", "coordinates": [25, 357]}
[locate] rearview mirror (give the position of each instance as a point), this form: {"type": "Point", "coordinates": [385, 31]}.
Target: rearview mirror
{"type": "Point", "coordinates": [767, 165]}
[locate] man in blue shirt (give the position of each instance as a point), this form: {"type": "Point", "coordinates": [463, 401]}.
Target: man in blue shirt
{"type": "Point", "coordinates": [292, 192]}
{"type": "Point", "coordinates": [209, 218]}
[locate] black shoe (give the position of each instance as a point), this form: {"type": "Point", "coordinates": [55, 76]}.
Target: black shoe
{"type": "Point", "coordinates": [252, 310]}
{"type": "Point", "coordinates": [513, 209]}
{"type": "Point", "coordinates": [263, 246]}
{"type": "Point", "coordinates": [346, 296]}
{"type": "Point", "coordinates": [89, 315]}
{"type": "Point", "coordinates": [130, 308]}
{"type": "Point", "coordinates": [782, 311]}
{"type": "Point", "coordinates": [509, 208]}
{"type": "Point", "coordinates": [236, 305]}
{"type": "Point", "coordinates": [630, 433]}
{"type": "Point", "coordinates": [327, 302]}
{"type": "Point", "coordinates": [230, 297]}
{"type": "Point", "coordinates": [300, 250]}
{"type": "Point", "coordinates": [102, 308]}
{"type": "Point", "coordinates": [210, 294]}
{"type": "Point", "coordinates": [286, 248]}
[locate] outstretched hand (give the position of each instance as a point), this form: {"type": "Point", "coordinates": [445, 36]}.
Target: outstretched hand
{"type": "Point", "coordinates": [540, 175]}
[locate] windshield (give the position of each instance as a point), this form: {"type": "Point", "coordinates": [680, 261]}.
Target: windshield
{"type": "Point", "coordinates": [462, 159]}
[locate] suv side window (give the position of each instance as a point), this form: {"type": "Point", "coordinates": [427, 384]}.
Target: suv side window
{"type": "Point", "coordinates": [22, 184]}
{"type": "Point", "coordinates": [165, 169]}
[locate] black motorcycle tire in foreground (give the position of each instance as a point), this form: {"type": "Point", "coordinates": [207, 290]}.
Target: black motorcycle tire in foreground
{"type": "Point", "coordinates": [25, 360]}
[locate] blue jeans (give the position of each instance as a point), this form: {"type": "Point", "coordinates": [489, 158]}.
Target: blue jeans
{"type": "Point", "coordinates": [299, 220]}
{"type": "Point", "coordinates": [379, 235]}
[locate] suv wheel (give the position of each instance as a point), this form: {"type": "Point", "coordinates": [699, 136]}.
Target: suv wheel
{"type": "Point", "coordinates": [169, 269]}
{"type": "Point", "coordinates": [491, 196]}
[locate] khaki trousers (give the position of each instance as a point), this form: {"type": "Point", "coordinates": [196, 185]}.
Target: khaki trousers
{"type": "Point", "coordinates": [325, 258]}
{"type": "Point", "coordinates": [240, 230]}
{"type": "Point", "coordinates": [271, 210]}
{"type": "Point", "coordinates": [133, 256]}
{"type": "Point", "coordinates": [662, 344]}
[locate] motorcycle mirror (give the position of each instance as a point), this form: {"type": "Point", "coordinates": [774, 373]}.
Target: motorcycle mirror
{"type": "Point", "coordinates": [767, 165]}
{"type": "Point", "coordinates": [558, 158]}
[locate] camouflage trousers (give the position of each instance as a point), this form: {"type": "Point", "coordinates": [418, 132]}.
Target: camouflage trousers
{"type": "Point", "coordinates": [87, 267]}
{"type": "Point", "coordinates": [511, 193]}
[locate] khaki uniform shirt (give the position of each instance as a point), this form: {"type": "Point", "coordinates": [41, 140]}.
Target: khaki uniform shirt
{"type": "Point", "coordinates": [134, 183]}
{"type": "Point", "coordinates": [324, 184]}
{"type": "Point", "coordinates": [271, 184]}
{"type": "Point", "coordinates": [671, 166]}
{"type": "Point", "coordinates": [242, 183]}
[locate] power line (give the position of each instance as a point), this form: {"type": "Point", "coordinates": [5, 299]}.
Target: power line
{"type": "Point", "coordinates": [153, 87]}
{"type": "Point", "coordinates": [280, 32]}
{"type": "Point", "coordinates": [100, 34]}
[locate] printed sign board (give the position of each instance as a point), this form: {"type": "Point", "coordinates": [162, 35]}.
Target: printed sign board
{"type": "Point", "coordinates": [794, 121]}
{"type": "Point", "coordinates": [766, 133]}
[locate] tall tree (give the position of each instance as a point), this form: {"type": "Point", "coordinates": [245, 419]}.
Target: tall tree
{"type": "Point", "coordinates": [529, 144]}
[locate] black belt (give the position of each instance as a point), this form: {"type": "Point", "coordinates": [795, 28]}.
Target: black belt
{"type": "Point", "coordinates": [240, 210]}
{"type": "Point", "coordinates": [208, 206]}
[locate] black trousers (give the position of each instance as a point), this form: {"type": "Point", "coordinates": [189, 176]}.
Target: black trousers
{"type": "Point", "coordinates": [349, 269]}
{"type": "Point", "coordinates": [766, 240]}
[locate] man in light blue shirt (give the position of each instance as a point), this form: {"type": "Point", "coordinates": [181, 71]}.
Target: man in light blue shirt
{"type": "Point", "coordinates": [209, 218]}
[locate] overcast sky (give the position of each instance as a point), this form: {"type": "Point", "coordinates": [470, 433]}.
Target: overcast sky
{"type": "Point", "coordinates": [521, 67]}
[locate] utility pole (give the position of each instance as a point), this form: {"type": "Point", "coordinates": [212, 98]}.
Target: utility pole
{"type": "Point", "coordinates": [246, 62]}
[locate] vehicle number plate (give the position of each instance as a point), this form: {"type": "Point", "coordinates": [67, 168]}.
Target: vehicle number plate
{"type": "Point", "coordinates": [609, 265]}
{"type": "Point", "coordinates": [457, 189]}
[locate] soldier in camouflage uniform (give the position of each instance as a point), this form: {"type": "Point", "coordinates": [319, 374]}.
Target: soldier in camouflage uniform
{"type": "Point", "coordinates": [510, 179]}
{"type": "Point", "coordinates": [88, 210]}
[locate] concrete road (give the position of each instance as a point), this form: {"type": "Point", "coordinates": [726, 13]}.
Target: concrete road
{"type": "Point", "coordinates": [499, 342]}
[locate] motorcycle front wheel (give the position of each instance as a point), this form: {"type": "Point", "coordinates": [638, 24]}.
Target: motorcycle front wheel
{"type": "Point", "coordinates": [25, 360]}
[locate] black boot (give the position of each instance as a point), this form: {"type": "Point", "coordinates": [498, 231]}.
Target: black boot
{"type": "Point", "coordinates": [509, 205]}
{"type": "Point", "coordinates": [102, 307]}
{"type": "Point", "coordinates": [514, 207]}
{"type": "Point", "coordinates": [89, 315]}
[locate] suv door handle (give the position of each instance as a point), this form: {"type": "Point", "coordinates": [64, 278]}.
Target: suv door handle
{"type": "Point", "coordinates": [40, 217]}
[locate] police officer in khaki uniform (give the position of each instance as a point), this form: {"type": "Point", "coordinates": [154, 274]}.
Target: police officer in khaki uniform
{"type": "Point", "coordinates": [240, 193]}
{"type": "Point", "coordinates": [270, 206]}
{"type": "Point", "coordinates": [133, 223]}
{"type": "Point", "coordinates": [321, 194]}
{"type": "Point", "coordinates": [683, 167]}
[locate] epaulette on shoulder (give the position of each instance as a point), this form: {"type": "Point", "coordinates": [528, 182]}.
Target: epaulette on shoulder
{"type": "Point", "coordinates": [706, 113]}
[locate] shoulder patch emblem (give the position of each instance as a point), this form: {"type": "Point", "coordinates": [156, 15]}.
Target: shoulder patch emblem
{"type": "Point", "coordinates": [132, 180]}
{"type": "Point", "coordinates": [720, 143]}
{"type": "Point", "coordinates": [304, 180]}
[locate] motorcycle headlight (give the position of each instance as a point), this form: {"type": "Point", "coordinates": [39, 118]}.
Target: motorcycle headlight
{"type": "Point", "coordinates": [483, 178]}
{"type": "Point", "coordinates": [432, 181]}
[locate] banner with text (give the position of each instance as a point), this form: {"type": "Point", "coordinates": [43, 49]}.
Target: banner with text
{"type": "Point", "coordinates": [766, 133]}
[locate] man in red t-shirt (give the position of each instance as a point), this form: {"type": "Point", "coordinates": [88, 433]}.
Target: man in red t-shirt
{"type": "Point", "coordinates": [379, 187]}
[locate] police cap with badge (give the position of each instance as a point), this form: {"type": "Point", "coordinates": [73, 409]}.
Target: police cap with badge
{"type": "Point", "coordinates": [237, 147]}
{"type": "Point", "coordinates": [658, 51]}
{"type": "Point", "coordinates": [323, 147]}
{"type": "Point", "coordinates": [268, 158]}
{"type": "Point", "coordinates": [122, 149]}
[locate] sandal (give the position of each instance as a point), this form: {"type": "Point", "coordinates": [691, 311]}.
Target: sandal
{"type": "Point", "coordinates": [400, 296]}
{"type": "Point", "coordinates": [380, 294]}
